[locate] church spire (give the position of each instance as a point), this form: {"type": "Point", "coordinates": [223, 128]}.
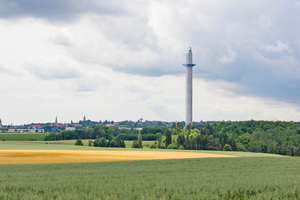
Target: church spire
{"type": "Point", "coordinates": [56, 120]}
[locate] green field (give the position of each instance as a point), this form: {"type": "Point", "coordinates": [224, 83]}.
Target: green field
{"type": "Point", "coordinates": [41, 145]}
{"type": "Point", "coordinates": [39, 139]}
{"type": "Point", "coordinates": [22, 136]}
{"type": "Point", "coordinates": [64, 142]}
{"type": "Point", "coordinates": [210, 178]}
{"type": "Point", "coordinates": [249, 176]}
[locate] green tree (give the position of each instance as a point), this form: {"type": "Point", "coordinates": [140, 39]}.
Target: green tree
{"type": "Point", "coordinates": [110, 137]}
{"type": "Point", "coordinates": [180, 139]}
{"type": "Point", "coordinates": [101, 142]}
{"type": "Point", "coordinates": [159, 140]}
{"type": "Point", "coordinates": [115, 142]}
{"type": "Point", "coordinates": [79, 142]}
{"type": "Point", "coordinates": [189, 127]}
{"type": "Point", "coordinates": [122, 144]}
{"type": "Point", "coordinates": [187, 142]}
{"type": "Point", "coordinates": [135, 144]}
{"type": "Point", "coordinates": [227, 147]}
{"type": "Point", "coordinates": [140, 141]}
{"type": "Point", "coordinates": [168, 138]}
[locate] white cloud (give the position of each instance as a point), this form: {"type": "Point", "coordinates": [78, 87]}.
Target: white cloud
{"type": "Point", "coordinates": [4, 70]}
{"type": "Point", "coordinates": [51, 69]}
{"type": "Point", "coordinates": [279, 47]}
{"type": "Point", "coordinates": [63, 37]}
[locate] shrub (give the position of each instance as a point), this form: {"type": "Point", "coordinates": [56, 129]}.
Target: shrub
{"type": "Point", "coordinates": [79, 142]}
{"type": "Point", "coordinates": [172, 146]}
{"type": "Point", "coordinates": [181, 147]}
{"type": "Point", "coordinates": [227, 147]}
{"type": "Point", "coordinates": [101, 142]}
{"type": "Point", "coordinates": [113, 144]}
{"type": "Point", "coordinates": [240, 147]}
{"type": "Point", "coordinates": [153, 146]}
{"type": "Point", "coordinates": [161, 146]}
{"type": "Point", "coordinates": [135, 144]}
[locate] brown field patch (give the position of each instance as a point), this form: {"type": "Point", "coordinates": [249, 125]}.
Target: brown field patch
{"type": "Point", "coordinates": [77, 156]}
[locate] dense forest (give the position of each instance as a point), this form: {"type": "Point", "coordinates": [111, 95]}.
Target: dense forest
{"type": "Point", "coordinates": [254, 136]}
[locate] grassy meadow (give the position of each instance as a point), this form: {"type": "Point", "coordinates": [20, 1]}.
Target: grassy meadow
{"type": "Point", "coordinates": [38, 138]}
{"type": "Point", "coordinates": [22, 136]}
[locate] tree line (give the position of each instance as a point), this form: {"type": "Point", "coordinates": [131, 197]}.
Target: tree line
{"type": "Point", "coordinates": [252, 136]}
{"type": "Point", "coordinates": [108, 133]}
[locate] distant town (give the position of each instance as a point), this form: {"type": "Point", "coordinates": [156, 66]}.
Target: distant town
{"type": "Point", "coordinates": [85, 123]}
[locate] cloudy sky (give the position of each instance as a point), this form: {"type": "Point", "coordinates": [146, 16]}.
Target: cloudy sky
{"type": "Point", "coordinates": [122, 60]}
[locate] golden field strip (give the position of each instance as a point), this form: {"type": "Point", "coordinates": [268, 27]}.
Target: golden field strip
{"type": "Point", "coordinates": [77, 156]}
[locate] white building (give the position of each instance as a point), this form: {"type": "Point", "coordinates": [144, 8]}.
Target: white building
{"type": "Point", "coordinates": [21, 130]}
{"type": "Point", "coordinates": [70, 128]}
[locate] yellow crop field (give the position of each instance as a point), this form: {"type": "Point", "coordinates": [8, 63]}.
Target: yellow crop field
{"type": "Point", "coordinates": [77, 156]}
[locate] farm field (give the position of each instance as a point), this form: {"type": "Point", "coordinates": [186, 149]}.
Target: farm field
{"type": "Point", "coordinates": [32, 153]}
{"type": "Point", "coordinates": [248, 176]}
{"type": "Point", "coordinates": [76, 156]}
{"type": "Point", "coordinates": [38, 138]}
{"type": "Point", "coordinates": [41, 145]}
{"type": "Point", "coordinates": [205, 178]}
{"type": "Point", "coordinates": [22, 136]}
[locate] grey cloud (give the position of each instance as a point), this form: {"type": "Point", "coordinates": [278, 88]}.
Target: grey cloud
{"type": "Point", "coordinates": [51, 74]}
{"type": "Point", "coordinates": [62, 39]}
{"type": "Point", "coordinates": [51, 70]}
{"type": "Point", "coordinates": [88, 82]}
{"type": "Point", "coordinates": [260, 79]}
{"type": "Point", "coordinates": [276, 73]}
{"type": "Point", "coordinates": [56, 9]}
{"type": "Point", "coordinates": [279, 47]}
{"type": "Point", "coordinates": [84, 86]}
{"type": "Point", "coordinates": [226, 40]}
{"type": "Point", "coordinates": [226, 46]}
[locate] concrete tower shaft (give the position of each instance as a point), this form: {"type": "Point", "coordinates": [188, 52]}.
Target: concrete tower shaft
{"type": "Point", "coordinates": [189, 88]}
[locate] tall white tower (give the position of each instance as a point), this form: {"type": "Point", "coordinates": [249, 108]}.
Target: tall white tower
{"type": "Point", "coordinates": [189, 88]}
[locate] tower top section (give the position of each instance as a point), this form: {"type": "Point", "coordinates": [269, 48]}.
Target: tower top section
{"type": "Point", "coordinates": [189, 59]}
